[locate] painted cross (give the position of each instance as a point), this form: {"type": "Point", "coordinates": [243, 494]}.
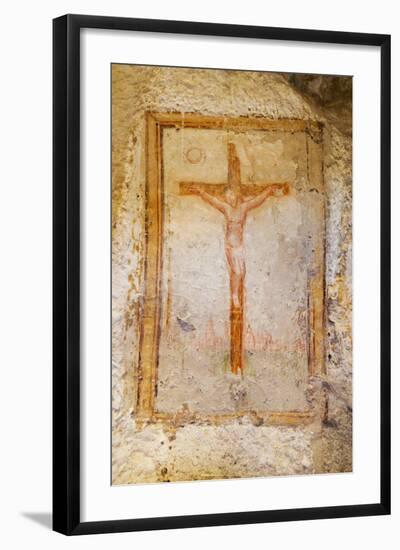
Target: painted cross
{"type": "Point", "coordinates": [235, 200]}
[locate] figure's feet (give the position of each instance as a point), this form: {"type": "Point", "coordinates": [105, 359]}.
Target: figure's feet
{"type": "Point", "coordinates": [236, 301]}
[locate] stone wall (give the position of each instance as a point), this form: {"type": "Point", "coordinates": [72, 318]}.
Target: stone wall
{"type": "Point", "coordinates": [241, 447]}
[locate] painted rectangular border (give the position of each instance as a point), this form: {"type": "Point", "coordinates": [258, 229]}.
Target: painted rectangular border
{"type": "Point", "coordinates": [150, 330]}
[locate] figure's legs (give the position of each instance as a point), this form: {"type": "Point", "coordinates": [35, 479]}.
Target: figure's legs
{"type": "Point", "coordinates": [236, 282]}
{"type": "Point", "coordinates": [237, 271]}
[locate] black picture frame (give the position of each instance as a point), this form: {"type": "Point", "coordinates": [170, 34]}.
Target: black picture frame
{"type": "Point", "coordinates": [66, 273]}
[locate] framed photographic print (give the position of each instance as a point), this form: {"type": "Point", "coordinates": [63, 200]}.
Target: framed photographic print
{"type": "Point", "coordinates": [221, 274]}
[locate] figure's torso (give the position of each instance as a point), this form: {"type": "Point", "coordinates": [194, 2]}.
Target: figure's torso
{"type": "Point", "coordinates": [235, 217]}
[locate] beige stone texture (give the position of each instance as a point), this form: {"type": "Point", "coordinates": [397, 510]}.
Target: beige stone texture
{"type": "Point", "coordinates": [244, 446]}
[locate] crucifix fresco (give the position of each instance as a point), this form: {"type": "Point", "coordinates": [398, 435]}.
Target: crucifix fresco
{"type": "Point", "coordinates": [235, 200]}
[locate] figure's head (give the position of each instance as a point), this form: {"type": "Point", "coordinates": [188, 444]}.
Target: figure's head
{"type": "Point", "coordinates": [230, 196]}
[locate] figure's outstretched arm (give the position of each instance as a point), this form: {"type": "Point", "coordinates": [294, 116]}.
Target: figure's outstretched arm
{"type": "Point", "coordinates": [214, 201]}
{"type": "Point", "coordinates": [275, 189]}
{"type": "Point", "coordinates": [193, 189]}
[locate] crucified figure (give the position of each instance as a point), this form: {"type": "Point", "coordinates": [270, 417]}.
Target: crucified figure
{"type": "Point", "coordinates": [235, 209]}
{"type": "Point", "coordinates": [235, 200]}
